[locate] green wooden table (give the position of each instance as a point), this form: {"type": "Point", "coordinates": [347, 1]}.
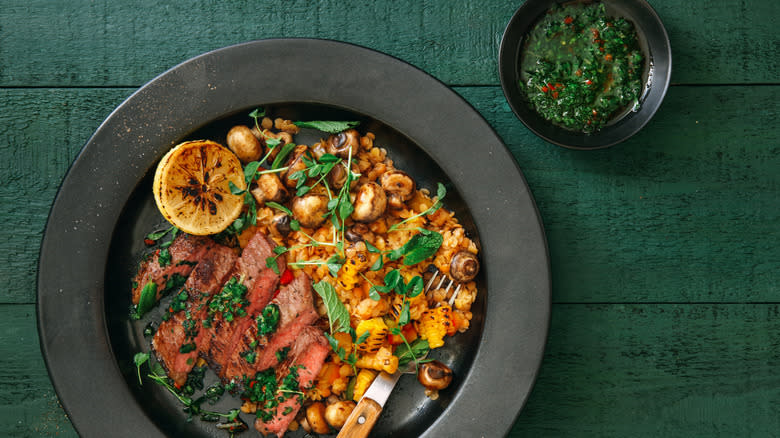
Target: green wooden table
{"type": "Point", "coordinates": [664, 250]}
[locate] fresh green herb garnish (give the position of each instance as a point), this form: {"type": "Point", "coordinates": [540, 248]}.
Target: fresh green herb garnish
{"type": "Point", "coordinates": [338, 315]}
{"type": "Point", "coordinates": [331, 127]}
{"type": "Point", "coordinates": [164, 258]}
{"type": "Point", "coordinates": [410, 352]}
{"type": "Point", "coordinates": [147, 300]}
{"type": "Point", "coordinates": [231, 301]}
{"type": "Point", "coordinates": [268, 319]}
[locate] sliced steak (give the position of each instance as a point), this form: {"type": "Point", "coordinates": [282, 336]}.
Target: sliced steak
{"type": "Point", "coordinates": [306, 358]}
{"type": "Point", "coordinates": [185, 252]}
{"type": "Point", "coordinates": [179, 339]}
{"type": "Point", "coordinates": [260, 281]}
{"type": "Point", "coordinates": [296, 312]}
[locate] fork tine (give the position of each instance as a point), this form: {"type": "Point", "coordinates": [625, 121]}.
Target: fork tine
{"type": "Point", "coordinates": [454, 295]}
{"type": "Point", "coordinates": [428, 286]}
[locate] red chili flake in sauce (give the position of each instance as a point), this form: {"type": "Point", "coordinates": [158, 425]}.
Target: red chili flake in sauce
{"type": "Point", "coordinates": [276, 292]}
{"type": "Point", "coordinates": [555, 95]}
{"type": "Point", "coordinates": [149, 242]}
{"type": "Point", "coordinates": [545, 89]}
{"type": "Point", "coordinates": [286, 278]}
{"type": "Point", "coordinates": [568, 20]}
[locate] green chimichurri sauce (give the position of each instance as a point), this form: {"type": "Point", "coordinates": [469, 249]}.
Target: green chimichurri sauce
{"type": "Point", "coordinates": [581, 68]}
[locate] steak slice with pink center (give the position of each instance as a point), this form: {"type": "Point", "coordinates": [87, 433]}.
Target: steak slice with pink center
{"type": "Point", "coordinates": [185, 252]}
{"type": "Point", "coordinates": [260, 282]}
{"type": "Point", "coordinates": [306, 357]}
{"type": "Point", "coordinates": [178, 338]}
{"type": "Point", "coordinates": [256, 351]}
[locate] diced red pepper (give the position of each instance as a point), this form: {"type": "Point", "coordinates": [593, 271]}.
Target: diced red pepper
{"type": "Point", "coordinates": [545, 89]}
{"type": "Point", "coordinates": [588, 82]}
{"type": "Point", "coordinates": [149, 242]}
{"type": "Point", "coordinates": [555, 95]}
{"type": "Point", "coordinates": [286, 278]}
{"type": "Point", "coordinates": [568, 20]}
{"type": "Point", "coordinates": [550, 86]}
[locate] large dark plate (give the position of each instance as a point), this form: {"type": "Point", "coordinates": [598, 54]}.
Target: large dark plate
{"type": "Point", "coordinates": [103, 209]}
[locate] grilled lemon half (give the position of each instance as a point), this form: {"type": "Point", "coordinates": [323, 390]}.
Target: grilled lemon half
{"type": "Point", "coordinates": [191, 187]}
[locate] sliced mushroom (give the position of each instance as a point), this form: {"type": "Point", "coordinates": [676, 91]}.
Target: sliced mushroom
{"type": "Point", "coordinates": [340, 144]}
{"type": "Point", "coordinates": [244, 144]}
{"type": "Point", "coordinates": [280, 224]}
{"type": "Point", "coordinates": [370, 203]}
{"type": "Point", "coordinates": [338, 176]}
{"type": "Point", "coordinates": [399, 187]}
{"type": "Point", "coordinates": [434, 375]}
{"type": "Point", "coordinates": [309, 209]}
{"type": "Point", "coordinates": [295, 164]}
{"type": "Point", "coordinates": [269, 188]}
{"type": "Point", "coordinates": [464, 266]}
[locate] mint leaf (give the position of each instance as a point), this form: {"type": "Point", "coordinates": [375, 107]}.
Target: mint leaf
{"type": "Point", "coordinates": [331, 127]}
{"type": "Point", "coordinates": [338, 315]}
{"type": "Point", "coordinates": [421, 246]}
{"type": "Point", "coordinates": [148, 298]}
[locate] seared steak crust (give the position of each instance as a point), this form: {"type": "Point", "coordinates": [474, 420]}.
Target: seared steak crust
{"type": "Point", "coordinates": [185, 252]}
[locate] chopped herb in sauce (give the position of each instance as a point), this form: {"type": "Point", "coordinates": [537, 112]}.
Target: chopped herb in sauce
{"type": "Point", "coordinates": [580, 68]}
{"type": "Point", "coordinates": [268, 319]}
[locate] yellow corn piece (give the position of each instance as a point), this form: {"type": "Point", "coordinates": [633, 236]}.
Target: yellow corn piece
{"type": "Point", "coordinates": [382, 360]}
{"type": "Point", "coordinates": [378, 334]}
{"type": "Point", "coordinates": [357, 262]}
{"type": "Point", "coordinates": [362, 382]}
{"type": "Point", "coordinates": [434, 325]}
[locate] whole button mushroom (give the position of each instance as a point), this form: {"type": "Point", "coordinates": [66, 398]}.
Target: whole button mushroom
{"type": "Point", "coordinates": [309, 209]}
{"type": "Point", "coordinates": [464, 266]}
{"type": "Point", "coordinates": [269, 188]}
{"type": "Point", "coordinates": [434, 375]}
{"type": "Point", "coordinates": [340, 144]}
{"type": "Point", "coordinates": [244, 144]}
{"type": "Point", "coordinates": [370, 203]}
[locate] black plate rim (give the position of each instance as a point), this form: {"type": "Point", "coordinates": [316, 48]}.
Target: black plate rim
{"type": "Point", "coordinates": [661, 52]}
{"type": "Point", "coordinates": [72, 328]}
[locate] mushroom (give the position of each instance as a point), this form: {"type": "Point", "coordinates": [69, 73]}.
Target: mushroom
{"type": "Point", "coordinates": [370, 203]}
{"type": "Point", "coordinates": [336, 414]}
{"type": "Point", "coordinates": [434, 375]}
{"type": "Point", "coordinates": [269, 188]}
{"type": "Point", "coordinates": [399, 187]}
{"type": "Point", "coordinates": [340, 144]}
{"type": "Point", "coordinates": [464, 266]}
{"type": "Point", "coordinates": [318, 150]}
{"type": "Point", "coordinates": [338, 176]}
{"type": "Point", "coordinates": [309, 210]}
{"type": "Point", "coordinates": [244, 144]}
{"type": "Point", "coordinates": [295, 164]}
{"type": "Point", "coordinates": [280, 224]}
{"type": "Point", "coordinates": [315, 415]}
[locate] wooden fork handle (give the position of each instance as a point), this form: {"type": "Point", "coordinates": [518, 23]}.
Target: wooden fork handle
{"type": "Point", "coordinates": [361, 420]}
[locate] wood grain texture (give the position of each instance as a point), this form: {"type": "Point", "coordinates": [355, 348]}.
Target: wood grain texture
{"type": "Point", "coordinates": [108, 43]}
{"type": "Point", "coordinates": [28, 405]}
{"type": "Point", "coordinates": [686, 211]}
{"type": "Point", "coordinates": [658, 371]}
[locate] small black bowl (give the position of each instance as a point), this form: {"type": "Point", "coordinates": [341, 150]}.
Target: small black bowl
{"type": "Point", "coordinates": [653, 41]}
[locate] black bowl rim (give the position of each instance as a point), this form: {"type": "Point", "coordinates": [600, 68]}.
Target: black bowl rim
{"type": "Point", "coordinates": [661, 54]}
{"type": "Point", "coordinates": [71, 271]}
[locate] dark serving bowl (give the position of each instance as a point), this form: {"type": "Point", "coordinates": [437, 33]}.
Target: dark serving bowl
{"type": "Point", "coordinates": [653, 41]}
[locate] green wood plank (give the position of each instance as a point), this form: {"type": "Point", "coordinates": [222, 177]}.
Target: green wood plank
{"type": "Point", "coordinates": [41, 132]}
{"type": "Point", "coordinates": [28, 405]}
{"type": "Point", "coordinates": [685, 211]}
{"type": "Point", "coordinates": [658, 371]}
{"type": "Point", "coordinates": [106, 43]}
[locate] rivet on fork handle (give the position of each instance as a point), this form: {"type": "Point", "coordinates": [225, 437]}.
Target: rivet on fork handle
{"type": "Point", "coordinates": [362, 419]}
